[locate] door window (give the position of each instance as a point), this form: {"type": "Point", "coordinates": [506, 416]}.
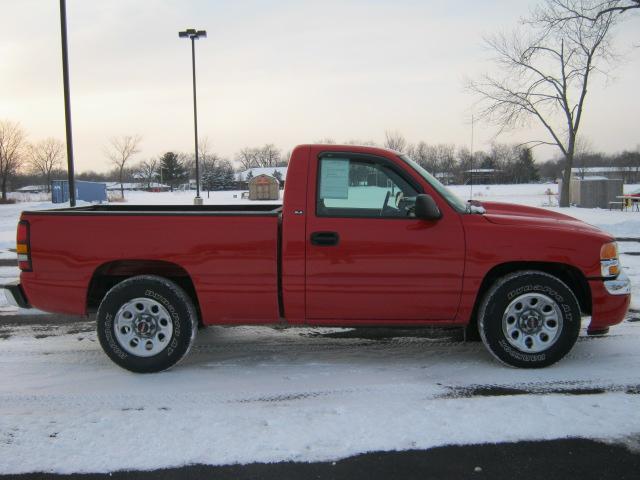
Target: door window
{"type": "Point", "coordinates": [362, 188]}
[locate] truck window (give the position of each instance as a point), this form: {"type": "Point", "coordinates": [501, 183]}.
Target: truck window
{"type": "Point", "coordinates": [448, 195]}
{"type": "Point", "coordinates": [362, 188]}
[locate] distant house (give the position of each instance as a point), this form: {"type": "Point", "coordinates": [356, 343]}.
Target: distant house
{"type": "Point", "coordinates": [152, 187]}
{"type": "Point", "coordinates": [445, 177]}
{"type": "Point", "coordinates": [482, 175]}
{"type": "Point", "coordinates": [115, 186]}
{"type": "Point", "coordinates": [626, 174]}
{"type": "Point", "coordinates": [32, 189]}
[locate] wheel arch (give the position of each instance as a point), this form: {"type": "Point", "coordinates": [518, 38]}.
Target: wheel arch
{"type": "Point", "coordinates": [109, 274]}
{"type": "Point", "coordinates": [569, 274]}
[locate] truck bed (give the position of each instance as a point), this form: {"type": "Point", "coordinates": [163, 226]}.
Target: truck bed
{"type": "Point", "coordinates": [229, 253]}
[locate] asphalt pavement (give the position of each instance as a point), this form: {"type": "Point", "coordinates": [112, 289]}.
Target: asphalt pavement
{"type": "Point", "coordinates": [548, 460]}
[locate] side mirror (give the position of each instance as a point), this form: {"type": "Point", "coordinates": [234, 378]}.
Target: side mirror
{"type": "Point", "coordinates": [426, 208]}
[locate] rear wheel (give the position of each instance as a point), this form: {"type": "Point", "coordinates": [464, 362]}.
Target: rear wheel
{"type": "Point", "coordinates": [529, 319]}
{"type": "Point", "coordinates": [146, 324]}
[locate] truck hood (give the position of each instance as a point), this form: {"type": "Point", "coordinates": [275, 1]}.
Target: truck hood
{"type": "Point", "coordinates": [510, 214]}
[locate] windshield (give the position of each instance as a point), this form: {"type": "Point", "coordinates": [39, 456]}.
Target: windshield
{"type": "Point", "coordinates": [451, 198]}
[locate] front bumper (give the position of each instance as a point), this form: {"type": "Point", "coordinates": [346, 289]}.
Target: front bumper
{"type": "Point", "coordinates": [619, 286]}
{"type": "Point", "coordinates": [15, 295]}
{"type": "Point", "coordinates": [610, 301]}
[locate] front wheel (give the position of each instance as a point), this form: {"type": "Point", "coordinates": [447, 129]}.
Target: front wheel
{"type": "Point", "coordinates": [146, 324]}
{"type": "Point", "coordinates": [529, 319]}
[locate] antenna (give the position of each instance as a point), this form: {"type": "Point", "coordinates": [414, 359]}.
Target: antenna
{"type": "Point", "coordinates": [471, 170]}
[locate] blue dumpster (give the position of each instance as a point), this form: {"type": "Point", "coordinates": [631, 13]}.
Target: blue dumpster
{"type": "Point", "coordinates": [85, 191]}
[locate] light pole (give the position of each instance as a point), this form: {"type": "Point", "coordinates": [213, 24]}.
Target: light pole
{"type": "Point", "coordinates": [194, 35]}
{"type": "Point", "coordinates": [67, 102]}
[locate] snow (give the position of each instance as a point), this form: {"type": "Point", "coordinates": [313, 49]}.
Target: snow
{"type": "Point", "coordinates": [251, 394]}
{"type": "Point", "coordinates": [260, 394]}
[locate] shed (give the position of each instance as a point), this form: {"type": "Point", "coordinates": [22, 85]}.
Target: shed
{"type": "Point", "coordinates": [595, 192]}
{"type": "Point", "coordinates": [264, 187]}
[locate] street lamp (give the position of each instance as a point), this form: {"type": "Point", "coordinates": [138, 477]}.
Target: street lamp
{"type": "Point", "coordinates": [194, 35]}
{"type": "Point", "coordinates": [67, 102]}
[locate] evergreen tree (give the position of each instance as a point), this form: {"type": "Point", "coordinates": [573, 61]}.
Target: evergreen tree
{"type": "Point", "coordinates": [229, 179]}
{"type": "Point", "coordinates": [526, 170]}
{"type": "Point", "coordinates": [207, 180]}
{"type": "Point", "coordinates": [220, 176]}
{"type": "Point", "coordinates": [278, 175]}
{"type": "Point", "coordinates": [173, 170]}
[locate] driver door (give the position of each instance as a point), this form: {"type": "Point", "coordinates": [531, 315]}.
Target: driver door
{"type": "Point", "coordinates": [368, 259]}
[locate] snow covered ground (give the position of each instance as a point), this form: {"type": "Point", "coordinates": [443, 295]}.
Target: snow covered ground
{"type": "Point", "coordinates": [258, 394]}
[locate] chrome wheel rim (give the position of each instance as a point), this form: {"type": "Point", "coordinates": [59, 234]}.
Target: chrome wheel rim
{"type": "Point", "coordinates": [143, 327]}
{"type": "Point", "coordinates": [532, 322]}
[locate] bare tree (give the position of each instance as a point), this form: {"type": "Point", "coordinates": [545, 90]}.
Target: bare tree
{"type": "Point", "coordinates": [247, 158]}
{"type": "Point", "coordinates": [269, 156]}
{"type": "Point", "coordinates": [208, 158]}
{"type": "Point", "coordinates": [545, 71]}
{"type": "Point", "coordinates": [209, 161]}
{"type": "Point", "coordinates": [120, 151]}
{"type": "Point", "coordinates": [446, 159]}
{"type": "Point", "coordinates": [395, 141]}
{"type": "Point", "coordinates": [12, 140]}
{"type": "Point", "coordinates": [147, 171]}
{"type": "Point", "coordinates": [284, 159]}
{"type": "Point", "coordinates": [359, 142]}
{"type": "Point", "coordinates": [592, 11]}
{"type": "Point", "coordinates": [45, 157]}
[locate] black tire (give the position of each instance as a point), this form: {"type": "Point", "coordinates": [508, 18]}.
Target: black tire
{"type": "Point", "coordinates": [533, 292]}
{"type": "Point", "coordinates": [164, 296]}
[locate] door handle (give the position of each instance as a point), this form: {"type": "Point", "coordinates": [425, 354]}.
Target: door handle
{"type": "Point", "coordinates": [325, 239]}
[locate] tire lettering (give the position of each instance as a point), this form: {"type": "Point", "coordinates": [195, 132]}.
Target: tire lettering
{"type": "Point", "coordinates": [108, 323]}
{"type": "Point", "coordinates": [170, 307]}
{"type": "Point", "coordinates": [522, 356]}
{"type": "Point", "coordinates": [535, 288]}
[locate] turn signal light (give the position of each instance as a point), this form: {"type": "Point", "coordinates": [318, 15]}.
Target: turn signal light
{"type": "Point", "coordinates": [23, 247]}
{"type": "Point", "coordinates": [609, 263]}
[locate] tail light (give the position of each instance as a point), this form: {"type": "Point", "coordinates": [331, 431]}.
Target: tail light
{"type": "Point", "coordinates": [23, 246]}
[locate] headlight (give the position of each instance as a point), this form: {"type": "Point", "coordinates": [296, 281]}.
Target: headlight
{"type": "Point", "coordinates": [609, 263]}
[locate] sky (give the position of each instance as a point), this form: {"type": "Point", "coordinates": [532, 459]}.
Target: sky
{"type": "Point", "coordinates": [282, 72]}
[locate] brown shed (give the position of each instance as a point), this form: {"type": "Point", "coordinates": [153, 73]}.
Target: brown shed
{"type": "Point", "coordinates": [264, 187]}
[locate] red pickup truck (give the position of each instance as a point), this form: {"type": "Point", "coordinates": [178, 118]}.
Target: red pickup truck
{"type": "Point", "coordinates": [365, 237]}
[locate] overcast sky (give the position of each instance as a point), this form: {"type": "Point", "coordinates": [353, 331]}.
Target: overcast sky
{"type": "Point", "coordinates": [283, 72]}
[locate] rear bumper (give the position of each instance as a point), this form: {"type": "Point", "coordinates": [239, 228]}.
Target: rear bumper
{"type": "Point", "coordinates": [15, 295]}
{"type": "Point", "coordinates": [610, 302]}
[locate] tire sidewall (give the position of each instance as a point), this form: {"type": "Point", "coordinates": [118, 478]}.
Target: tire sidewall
{"type": "Point", "coordinates": [503, 293]}
{"type": "Point", "coordinates": [172, 298]}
